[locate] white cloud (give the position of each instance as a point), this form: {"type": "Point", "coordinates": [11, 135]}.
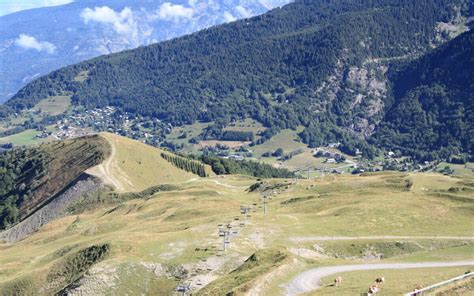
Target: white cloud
{"type": "Point", "coordinates": [56, 2]}
{"type": "Point", "coordinates": [130, 25]}
{"type": "Point", "coordinates": [270, 4]}
{"type": "Point", "coordinates": [30, 42]}
{"type": "Point", "coordinates": [192, 3]}
{"type": "Point", "coordinates": [228, 17]}
{"type": "Point", "coordinates": [122, 22]}
{"type": "Point", "coordinates": [169, 11]}
{"type": "Point", "coordinates": [245, 13]}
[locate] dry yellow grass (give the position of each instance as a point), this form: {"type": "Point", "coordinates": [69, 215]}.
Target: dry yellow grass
{"type": "Point", "coordinates": [54, 105]}
{"type": "Point", "coordinates": [134, 166]}
{"type": "Point", "coordinates": [171, 226]}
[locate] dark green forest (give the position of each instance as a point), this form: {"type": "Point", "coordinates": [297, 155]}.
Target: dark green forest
{"type": "Point", "coordinates": [221, 166]}
{"type": "Point", "coordinates": [187, 164]}
{"type": "Point", "coordinates": [269, 67]}
{"type": "Point", "coordinates": [18, 170]}
{"type": "Point", "coordinates": [432, 116]}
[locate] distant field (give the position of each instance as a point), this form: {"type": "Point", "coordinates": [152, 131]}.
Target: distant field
{"type": "Point", "coordinates": [191, 131]}
{"type": "Point", "coordinates": [459, 169]}
{"type": "Point", "coordinates": [230, 144]}
{"type": "Point", "coordinates": [289, 141]}
{"type": "Point", "coordinates": [197, 128]}
{"type": "Point", "coordinates": [82, 76]}
{"type": "Point", "coordinates": [307, 159]}
{"type": "Point", "coordinates": [53, 105]}
{"type": "Point", "coordinates": [24, 138]}
{"type": "Point", "coordinates": [286, 139]}
{"type": "Point", "coordinates": [247, 125]}
{"type": "Point", "coordinates": [18, 120]}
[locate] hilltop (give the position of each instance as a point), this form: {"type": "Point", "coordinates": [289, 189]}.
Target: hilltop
{"type": "Point", "coordinates": [134, 166]}
{"type": "Point", "coordinates": [40, 183]}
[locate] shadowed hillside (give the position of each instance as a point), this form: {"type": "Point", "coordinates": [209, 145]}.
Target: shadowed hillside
{"type": "Point", "coordinates": [432, 115]}
{"type": "Point", "coordinates": [31, 177]}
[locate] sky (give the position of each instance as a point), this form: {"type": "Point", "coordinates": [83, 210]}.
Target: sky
{"type": "Point", "coordinates": [10, 6]}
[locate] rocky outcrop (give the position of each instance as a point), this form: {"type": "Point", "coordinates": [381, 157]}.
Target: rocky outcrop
{"type": "Point", "coordinates": [96, 281]}
{"type": "Point", "coordinates": [55, 209]}
{"type": "Point", "coordinates": [361, 90]}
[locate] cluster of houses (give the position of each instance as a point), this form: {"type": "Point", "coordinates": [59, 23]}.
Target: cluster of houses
{"type": "Point", "coordinates": [331, 157]}
{"type": "Point", "coordinates": [108, 119]}
{"type": "Point", "coordinates": [84, 122]}
{"type": "Point", "coordinates": [235, 157]}
{"type": "Point", "coordinates": [406, 165]}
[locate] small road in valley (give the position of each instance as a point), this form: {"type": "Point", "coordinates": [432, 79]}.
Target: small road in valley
{"type": "Point", "coordinates": [388, 237]}
{"type": "Point", "coordinates": [311, 280]}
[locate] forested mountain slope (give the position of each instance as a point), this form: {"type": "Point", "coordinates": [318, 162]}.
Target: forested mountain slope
{"type": "Point", "coordinates": [434, 103]}
{"type": "Point", "coordinates": [319, 64]}
{"type": "Point", "coordinates": [36, 41]}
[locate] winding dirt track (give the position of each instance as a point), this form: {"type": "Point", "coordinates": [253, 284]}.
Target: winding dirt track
{"type": "Point", "coordinates": [218, 183]}
{"type": "Point", "coordinates": [104, 170]}
{"type": "Point", "coordinates": [388, 237]}
{"type": "Point", "coordinates": [310, 280]}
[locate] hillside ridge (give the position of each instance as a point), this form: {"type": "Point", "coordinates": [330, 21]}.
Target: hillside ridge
{"type": "Point", "coordinates": [41, 182]}
{"type": "Point", "coordinates": [134, 166]}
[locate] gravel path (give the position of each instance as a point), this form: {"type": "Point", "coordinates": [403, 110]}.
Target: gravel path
{"type": "Point", "coordinates": [103, 171]}
{"type": "Point", "coordinates": [310, 280]}
{"type": "Point", "coordinates": [336, 238]}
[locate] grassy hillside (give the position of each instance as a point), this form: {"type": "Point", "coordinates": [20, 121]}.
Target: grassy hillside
{"type": "Point", "coordinates": [134, 166]}
{"type": "Point", "coordinates": [31, 177]}
{"type": "Point", "coordinates": [54, 105]}
{"type": "Point", "coordinates": [400, 281]}
{"type": "Point", "coordinates": [156, 242]}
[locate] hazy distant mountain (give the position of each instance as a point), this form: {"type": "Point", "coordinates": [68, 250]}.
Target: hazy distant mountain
{"type": "Point", "coordinates": [37, 41]}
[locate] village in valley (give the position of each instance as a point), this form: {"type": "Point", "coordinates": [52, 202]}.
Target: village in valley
{"type": "Point", "coordinates": [34, 126]}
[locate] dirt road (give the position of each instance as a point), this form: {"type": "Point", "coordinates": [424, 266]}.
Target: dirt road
{"type": "Point", "coordinates": [388, 237]}
{"type": "Point", "coordinates": [310, 280]}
